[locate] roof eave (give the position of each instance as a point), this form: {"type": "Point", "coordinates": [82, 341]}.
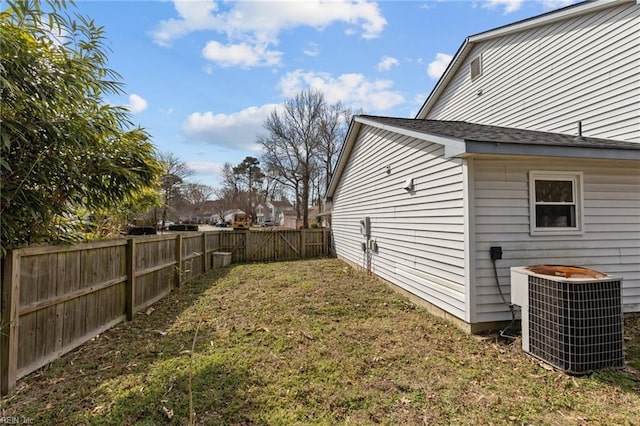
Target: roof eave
{"type": "Point", "coordinates": [510, 149]}
{"type": "Point", "coordinates": [546, 18]}
{"type": "Point", "coordinates": [345, 153]}
{"type": "Point", "coordinates": [443, 82]}
{"type": "Point", "coordinates": [453, 147]}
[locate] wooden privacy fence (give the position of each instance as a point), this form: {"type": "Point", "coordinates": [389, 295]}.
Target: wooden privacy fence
{"type": "Point", "coordinates": [55, 298]}
{"type": "Point", "coordinates": [288, 244]}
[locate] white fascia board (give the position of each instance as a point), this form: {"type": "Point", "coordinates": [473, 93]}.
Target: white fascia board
{"type": "Point", "coordinates": [496, 148]}
{"type": "Point", "coordinates": [453, 147]}
{"type": "Point", "coordinates": [446, 77]}
{"type": "Point", "coordinates": [345, 153]}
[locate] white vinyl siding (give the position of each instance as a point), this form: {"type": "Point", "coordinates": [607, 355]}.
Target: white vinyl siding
{"type": "Point", "coordinates": [611, 239]}
{"type": "Point", "coordinates": [586, 69]}
{"type": "Point", "coordinates": [419, 233]}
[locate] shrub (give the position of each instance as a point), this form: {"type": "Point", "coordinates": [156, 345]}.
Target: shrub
{"type": "Point", "coordinates": [141, 230]}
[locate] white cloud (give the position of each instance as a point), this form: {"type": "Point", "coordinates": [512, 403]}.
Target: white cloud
{"type": "Point", "coordinates": [235, 131]}
{"type": "Point", "coordinates": [242, 55]}
{"type": "Point", "coordinates": [194, 16]}
{"type": "Point", "coordinates": [250, 27]}
{"type": "Point", "coordinates": [205, 168]}
{"type": "Point", "coordinates": [166, 111]}
{"type": "Point", "coordinates": [419, 98]}
{"type": "Point", "coordinates": [264, 17]}
{"type": "Point", "coordinates": [437, 67]}
{"type": "Point", "coordinates": [386, 63]}
{"type": "Point", "coordinates": [351, 89]}
{"type": "Point", "coordinates": [312, 49]}
{"type": "Point", "coordinates": [208, 69]}
{"type": "Point", "coordinates": [509, 6]}
{"type": "Point", "coordinates": [137, 104]}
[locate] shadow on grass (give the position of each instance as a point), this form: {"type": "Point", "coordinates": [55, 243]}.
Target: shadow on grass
{"type": "Point", "coordinates": [219, 395]}
{"type": "Point", "coordinates": [129, 349]}
{"type": "Point", "coordinates": [156, 388]}
{"type": "Point", "coordinates": [626, 379]}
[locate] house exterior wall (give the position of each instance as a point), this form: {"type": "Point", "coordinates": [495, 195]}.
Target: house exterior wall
{"type": "Point", "coordinates": [611, 239]}
{"type": "Point", "coordinates": [420, 234]}
{"type": "Point", "coordinates": [270, 212]}
{"type": "Point", "coordinates": [585, 68]}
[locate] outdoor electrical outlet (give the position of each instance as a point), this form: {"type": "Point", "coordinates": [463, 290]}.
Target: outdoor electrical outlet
{"type": "Point", "coordinates": [496, 253]}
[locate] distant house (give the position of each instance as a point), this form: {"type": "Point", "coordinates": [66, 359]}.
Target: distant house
{"type": "Point", "coordinates": [272, 212]}
{"type": "Point", "coordinates": [291, 220]}
{"type": "Point", "coordinates": [529, 142]}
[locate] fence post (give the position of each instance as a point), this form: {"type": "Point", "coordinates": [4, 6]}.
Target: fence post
{"type": "Point", "coordinates": [178, 254]}
{"type": "Point", "coordinates": [10, 300]}
{"type": "Point", "coordinates": [205, 267]}
{"type": "Point", "coordinates": [131, 278]}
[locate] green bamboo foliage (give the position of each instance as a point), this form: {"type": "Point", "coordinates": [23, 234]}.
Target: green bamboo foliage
{"type": "Point", "coordinates": [63, 147]}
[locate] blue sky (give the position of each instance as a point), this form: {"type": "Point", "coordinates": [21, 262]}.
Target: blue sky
{"type": "Point", "coordinates": [201, 76]}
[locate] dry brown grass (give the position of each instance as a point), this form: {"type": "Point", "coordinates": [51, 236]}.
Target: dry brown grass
{"type": "Point", "coordinates": [312, 342]}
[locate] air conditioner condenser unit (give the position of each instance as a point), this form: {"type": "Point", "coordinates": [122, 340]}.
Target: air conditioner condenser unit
{"type": "Point", "coordinates": [574, 323]}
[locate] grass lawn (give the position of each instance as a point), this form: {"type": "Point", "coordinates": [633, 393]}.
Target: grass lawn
{"type": "Point", "coordinates": [312, 342]}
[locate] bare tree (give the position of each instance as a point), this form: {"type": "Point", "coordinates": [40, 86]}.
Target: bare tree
{"type": "Point", "coordinates": [175, 171]}
{"type": "Point", "coordinates": [230, 181]}
{"type": "Point", "coordinates": [272, 187]}
{"type": "Point", "coordinates": [302, 145]}
{"type": "Point", "coordinates": [334, 123]}
{"type": "Point", "coordinates": [292, 145]}
{"type": "Point", "coordinates": [194, 196]}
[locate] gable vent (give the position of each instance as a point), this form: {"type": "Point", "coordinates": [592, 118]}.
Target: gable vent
{"type": "Point", "coordinates": [476, 67]}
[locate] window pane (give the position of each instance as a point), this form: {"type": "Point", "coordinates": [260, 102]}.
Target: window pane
{"type": "Point", "coordinates": [554, 191]}
{"type": "Point", "coordinates": [549, 216]}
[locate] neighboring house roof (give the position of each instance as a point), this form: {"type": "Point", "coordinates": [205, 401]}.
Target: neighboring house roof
{"type": "Point", "coordinates": [462, 139]}
{"type": "Point", "coordinates": [526, 24]}
{"type": "Point", "coordinates": [290, 212]}
{"type": "Point", "coordinates": [282, 204]}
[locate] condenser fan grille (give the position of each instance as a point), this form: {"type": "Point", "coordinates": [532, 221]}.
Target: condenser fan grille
{"type": "Point", "coordinates": [576, 326]}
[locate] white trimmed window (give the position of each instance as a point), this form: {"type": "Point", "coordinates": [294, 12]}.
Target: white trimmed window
{"type": "Point", "coordinates": [555, 203]}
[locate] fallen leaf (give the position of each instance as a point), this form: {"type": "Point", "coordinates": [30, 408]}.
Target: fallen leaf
{"type": "Point", "coordinates": [149, 311]}
{"type": "Point", "coordinates": [160, 332]}
{"type": "Point", "coordinates": [167, 412]}
{"type": "Point", "coordinates": [404, 401]}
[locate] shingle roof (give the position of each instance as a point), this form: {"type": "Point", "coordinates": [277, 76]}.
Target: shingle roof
{"type": "Point", "coordinates": [462, 139]}
{"type": "Point", "coordinates": [471, 132]}
{"type": "Point", "coordinates": [282, 204]}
